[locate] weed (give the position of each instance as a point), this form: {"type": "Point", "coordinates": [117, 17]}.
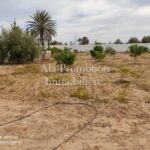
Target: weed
{"type": "Point", "coordinates": [126, 71]}
{"type": "Point", "coordinates": [121, 98]}
{"type": "Point", "coordinates": [81, 93]}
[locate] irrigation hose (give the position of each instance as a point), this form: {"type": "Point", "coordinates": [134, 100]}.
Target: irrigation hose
{"type": "Point", "coordinates": [55, 104]}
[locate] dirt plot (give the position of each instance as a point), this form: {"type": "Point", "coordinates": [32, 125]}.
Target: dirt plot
{"type": "Point", "coordinates": [123, 108]}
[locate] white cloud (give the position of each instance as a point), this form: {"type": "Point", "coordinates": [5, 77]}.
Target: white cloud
{"type": "Point", "coordinates": [101, 20]}
{"type": "Point", "coordinates": [143, 11]}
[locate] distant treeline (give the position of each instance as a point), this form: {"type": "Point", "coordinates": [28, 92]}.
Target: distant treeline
{"type": "Point", "coordinates": [85, 41]}
{"type": "Point", "coordinates": [145, 39]}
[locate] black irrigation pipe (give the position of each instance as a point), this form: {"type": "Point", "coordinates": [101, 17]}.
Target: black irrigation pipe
{"type": "Point", "coordinates": [55, 104]}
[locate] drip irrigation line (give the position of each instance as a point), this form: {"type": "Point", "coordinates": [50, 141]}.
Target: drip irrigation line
{"type": "Point", "coordinates": [55, 104]}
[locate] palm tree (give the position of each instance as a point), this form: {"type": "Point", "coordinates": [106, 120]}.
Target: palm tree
{"type": "Point", "coordinates": [43, 27]}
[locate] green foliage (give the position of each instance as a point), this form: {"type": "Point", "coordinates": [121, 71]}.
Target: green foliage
{"type": "Point", "coordinates": [3, 46]}
{"type": "Point", "coordinates": [136, 50]}
{"type": "Point", "coordinates": [83, 41]}
{"type": "Point", "coordinates": [146, 39]}
{"type": "Point", "coordinates": [56, 43]}
{"type": "Point", "coordinates": [42, 26]}
{"type": "Point", "coordinates": [110, 51]}
{"type": "Point", "coordinates": [65, 56]}
{"type": "Point", "coordinates": [98, 53]}
{"type": "Point", "coordinates": [55, 50]}
{"type": "Point", "coordinates": [118, 41]}
{"type": "Point", "coordinates": [144, 49]}
{"type": "Point", "coordinates": [133, 40]}
{"type": "Point", "coordinates": [17, 46]}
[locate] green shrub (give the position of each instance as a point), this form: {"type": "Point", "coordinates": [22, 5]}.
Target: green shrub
{"type": "Point", "coordinates": [136, 51]}
{"type": "Point", "coordinates": [65, 56]}
{"type": "Point", "coordinates": [146, 39]}
{"type": "Point", "coordinates": [98, 53]}
{"type": "Point", "coordinates": [144, 49]}
{"type": "Point", "coordinates": [17, 46]}
{"type": "Point", "coordinates": [55, 50]}
{"type": "Point", "coordinates": [134, 40]}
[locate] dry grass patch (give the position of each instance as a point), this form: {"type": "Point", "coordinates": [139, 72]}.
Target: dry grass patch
{"type": "Point", "coordinates": [44, 94]}
{"type": "Point", "coordinates": [126, 71]}
{"type": "Point", "coordinates": [143, 86]}
{"type": "Point", "coordinates": [32, 69]}
{"type": "Point", "coordinates": [6, 81]}
{"type": "Point", "coordinates": [147, 101]}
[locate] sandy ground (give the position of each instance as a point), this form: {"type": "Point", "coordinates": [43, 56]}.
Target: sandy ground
{"type": "Point", "coordinates": [123, 110]}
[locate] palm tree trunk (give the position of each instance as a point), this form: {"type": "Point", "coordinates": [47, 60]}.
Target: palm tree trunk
{"type": "Point", "coordinates": [43, 47]}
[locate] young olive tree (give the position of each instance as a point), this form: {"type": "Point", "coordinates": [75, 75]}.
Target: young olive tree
{"type": "Point", "coordinates": [65, 57]}
{"type": "Point", "coordinates": [98, 53]}
{"type": "Point", "coordinates": [55, 50]}
{"type": "Point", "coordinates": [17, 46]}
{"type": "Point", "coordinates": [136, 51]}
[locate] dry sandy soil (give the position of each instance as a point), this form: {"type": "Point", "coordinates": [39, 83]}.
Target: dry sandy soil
{"type": "Point", "coordinates": [123, 109]}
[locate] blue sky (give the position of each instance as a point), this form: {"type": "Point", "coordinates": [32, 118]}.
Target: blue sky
{"type": "Point", "coordinates": [100, 20]}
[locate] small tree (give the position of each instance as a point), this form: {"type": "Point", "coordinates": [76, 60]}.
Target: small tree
{"type": "Point", "coordinates": [118, 41]}
{"type": "Point", "coordinates": [83, 41]}
{"type": "Point", "coordinates": [56, 43]}
{"type": "Point", "coordinates": [55, 50]}
{"type": "Point", "coordinates": [42, 26]}
{"type": "Point", "coordinates": [133, 40]}
{"type": "Point", "coordinates": [98, 53]}
{"type": "Point", "coordinates": [136, 51]}
{"type": "Point", "coordinates": [17, 46]}
{"type": "Point", "coordinates": [146, 39]}
{"type": "Point", "coordinates": [65, 57]}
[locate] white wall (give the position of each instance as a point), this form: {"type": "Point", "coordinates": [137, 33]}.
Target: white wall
{"type": "Point", "coordinates": [117, 47]}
